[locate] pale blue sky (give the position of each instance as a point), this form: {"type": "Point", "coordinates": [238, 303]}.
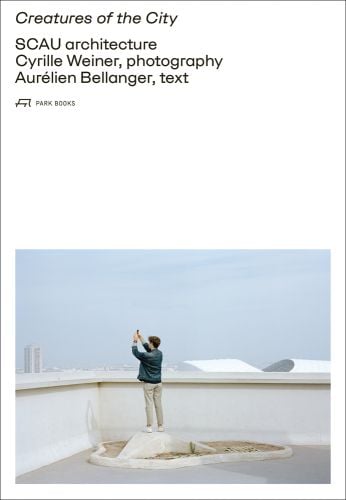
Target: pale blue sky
{"type": "Point", "coordinates": [82, 306]}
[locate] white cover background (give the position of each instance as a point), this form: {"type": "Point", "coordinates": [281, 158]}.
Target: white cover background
{"type": "Point", "coordinates": [250, 156]}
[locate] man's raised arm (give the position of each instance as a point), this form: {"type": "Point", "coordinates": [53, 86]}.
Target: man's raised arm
{"type": "Point", "coordinates": [144, 342]}
{"type": "Point", "coordinates": [135, 351]}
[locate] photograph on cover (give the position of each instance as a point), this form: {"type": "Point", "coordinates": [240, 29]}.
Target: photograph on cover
{"type": "Point", "coordinates": [173, 366]}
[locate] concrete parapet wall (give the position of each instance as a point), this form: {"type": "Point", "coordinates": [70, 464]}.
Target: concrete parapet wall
{"type": "Point", "coordinates": [282, 413]}
{"type": "Point", "coordinates": [54, 423]}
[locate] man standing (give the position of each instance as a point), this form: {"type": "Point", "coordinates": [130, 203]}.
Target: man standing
{"type": "Point", "coordinates": [150, 375]}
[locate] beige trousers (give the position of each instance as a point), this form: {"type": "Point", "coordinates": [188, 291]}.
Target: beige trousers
{"type": "Point", "coordinates": [152, 395]}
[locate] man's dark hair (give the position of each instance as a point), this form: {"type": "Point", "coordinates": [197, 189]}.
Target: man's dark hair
{"type": "Point", "coordinates": [155, 341]}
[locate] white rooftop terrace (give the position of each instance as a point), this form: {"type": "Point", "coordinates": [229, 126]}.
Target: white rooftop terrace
{"type": "Point", "coordinates": [61, 419]}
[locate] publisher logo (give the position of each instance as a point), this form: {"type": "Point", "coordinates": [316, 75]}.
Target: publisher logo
{"type": "Point", "coordinates": [23, 102]}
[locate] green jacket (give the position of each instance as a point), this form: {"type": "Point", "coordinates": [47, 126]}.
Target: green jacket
{"type": "Point", "coordinates": [150, 364]}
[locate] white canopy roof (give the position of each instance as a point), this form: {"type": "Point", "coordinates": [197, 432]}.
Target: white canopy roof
{"type": "Point", "coordinates": [299, 366]}
{"type": "Point", "coordinates": [223, 365]}
{"type": "Point", "coordinates": [310, 365]}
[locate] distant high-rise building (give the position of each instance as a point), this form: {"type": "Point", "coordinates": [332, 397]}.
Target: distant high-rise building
{"type": "Point", "coordinates": [32, 359]}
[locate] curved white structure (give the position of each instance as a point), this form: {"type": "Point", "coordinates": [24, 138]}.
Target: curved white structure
{"type": "Point", "coordinates": [299, 366]}
{"type": "Point", "coordinates": [223, 365]}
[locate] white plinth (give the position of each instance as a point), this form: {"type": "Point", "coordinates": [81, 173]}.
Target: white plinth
{"type": "Point", "coordinates": [142, 446]}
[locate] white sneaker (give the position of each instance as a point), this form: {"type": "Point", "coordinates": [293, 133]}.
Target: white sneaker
{"type": "Point", "coordinates": [149, 429]}
{"type": "Point", "coordinates": [161, 429]}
